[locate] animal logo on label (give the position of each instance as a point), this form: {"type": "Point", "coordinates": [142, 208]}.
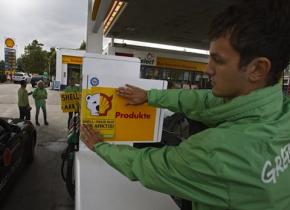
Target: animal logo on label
{"type": "Point", "coordinates": [99, 104]}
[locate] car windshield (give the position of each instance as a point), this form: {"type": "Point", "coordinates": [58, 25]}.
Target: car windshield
{"type": "Point", "coordinates": [19, 74]}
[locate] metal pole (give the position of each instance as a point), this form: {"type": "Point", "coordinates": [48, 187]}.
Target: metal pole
{"type": "Point", "coordinates": [49, 69]}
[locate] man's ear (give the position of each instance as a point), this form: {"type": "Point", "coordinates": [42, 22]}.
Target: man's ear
{"type": "Point", "coordinates": [259, 69]}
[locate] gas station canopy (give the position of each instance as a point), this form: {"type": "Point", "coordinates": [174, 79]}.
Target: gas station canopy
{"type": "Point", "coordinates": [180, 23]}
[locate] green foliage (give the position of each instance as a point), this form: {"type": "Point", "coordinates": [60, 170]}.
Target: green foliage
{"type": "Point", "coordinates": [34, 59]}
{"type": "Point", "coordinates": [2, 65]}
{"type": "Point", "coordinates": [3, 78]}
{"type": "Point", "coordinates": [83, 45]}
{"type": "Point", "coordinates": [2, 71]}
{"type": "Point", "coordinates": [52, 62]}
{"type": "Point", "coordinates": [19, 65]}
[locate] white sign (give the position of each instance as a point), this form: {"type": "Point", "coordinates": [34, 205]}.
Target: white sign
{"type": "Point", "coordinates": [56, 85]}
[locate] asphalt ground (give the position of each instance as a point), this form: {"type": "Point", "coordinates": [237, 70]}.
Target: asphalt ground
{"type": "Point", "coordinates": [40, 186]}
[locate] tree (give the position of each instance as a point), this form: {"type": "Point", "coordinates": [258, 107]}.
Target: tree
{"type": "Point", "coordinates": [83, 45]}
{"type": "Point", "coordinates": [19, 64]}
{"type": "Point", "coordinates": [2, 65]}
{"type": "Point", "coordinates": [52, 61]}
{"type": "Point", "coordinates": [35, 59]}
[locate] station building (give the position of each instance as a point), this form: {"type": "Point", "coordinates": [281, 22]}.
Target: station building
{"type": "Point", "coordinates": [180, 69]}
{"type": "Point", "coordinates": [68, 65]}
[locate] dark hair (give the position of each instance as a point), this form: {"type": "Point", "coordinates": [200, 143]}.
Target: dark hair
{"type": "Point", "coordinates": [257, 29]}
{"type": "Point", "coordinates": [22, 82]}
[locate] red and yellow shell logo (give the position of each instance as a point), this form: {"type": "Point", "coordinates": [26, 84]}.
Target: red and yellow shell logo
{"type": "Point", "coordinates": [105, 104]}
{"type": "Point", "coordinates": [99, 104]}
{"type": "Point", "coordinates": [9, 43]}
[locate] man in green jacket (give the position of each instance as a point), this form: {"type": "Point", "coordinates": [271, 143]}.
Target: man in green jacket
{"type": "Point", "coordinates": [242, 162]}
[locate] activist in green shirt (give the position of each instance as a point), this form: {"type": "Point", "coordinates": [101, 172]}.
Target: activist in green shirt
{"type": "Point", "coordinates": [40, 96]}
{"type": "Point", "coordinates": [23, 101]}
{"type": "Point", "coordinates": [71, 88]}
{"type": "Point", "coordinates": [241, 162]}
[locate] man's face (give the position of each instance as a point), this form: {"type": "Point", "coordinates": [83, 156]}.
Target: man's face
{"type": "Point", "coordinates": [228, 79]}
{"type": "Point", "coordinates": [41, 85]}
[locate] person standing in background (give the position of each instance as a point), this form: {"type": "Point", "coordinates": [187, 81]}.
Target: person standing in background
{"type": "Point", "coordinates": [71, 88]}
{"type": "Point", "coordinates": [40, 95]}
{"type": "Point", "coordinates": [23, 102]}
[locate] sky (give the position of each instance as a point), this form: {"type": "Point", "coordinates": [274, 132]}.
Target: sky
{"type": "Point", "coordinates": [54, 23]}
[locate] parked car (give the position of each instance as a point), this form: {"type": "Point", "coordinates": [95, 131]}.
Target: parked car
{"type": "Point", "coordinates": [36, 78]}
{"type": "Point", "coordinates": [21, 76]}
{"type": "Point", "coordinates": [17, 143]}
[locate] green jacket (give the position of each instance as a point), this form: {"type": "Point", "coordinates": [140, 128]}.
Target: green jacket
{"type": "Point", "coordinates": [40, 95]}
{"type": "Point", "coordinates": [73, 89]}
{"type": "Point", "coordinates": [23, 97]}
{"type": "Point", "coordinates": [240, 163]}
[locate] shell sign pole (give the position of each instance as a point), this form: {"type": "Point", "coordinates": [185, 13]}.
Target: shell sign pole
{"type": "Point", "coordinates": [10, 55]}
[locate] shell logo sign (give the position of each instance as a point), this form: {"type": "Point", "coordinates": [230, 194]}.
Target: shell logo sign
{"type": "Point", "coordinates": [9, 43]}
{"type": "Point", "coordinates": [70, 102]}
{"type": "Point", "coordinates": [114, 119]}
{"type": "Point", "coordinates": [99, 104]}
{"type": "Point", "coordinates": [98, 110]}
{"type": "Point", "coordinates": [105, 105]}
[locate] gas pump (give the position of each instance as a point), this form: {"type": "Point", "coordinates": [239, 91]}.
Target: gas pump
{"type": "Point", "coordinates": [68, 155]}
{"type": "Point", "coordinates": [89, 180]}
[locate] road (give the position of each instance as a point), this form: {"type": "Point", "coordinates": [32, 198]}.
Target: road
{"type": "Point", "coordinates": [40, 187]}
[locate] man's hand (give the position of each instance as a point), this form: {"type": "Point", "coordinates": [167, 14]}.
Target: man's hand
{"type": "Point", "coordinates": [90, 136]}
{"type": "Point", "coordinates": [134, 95]}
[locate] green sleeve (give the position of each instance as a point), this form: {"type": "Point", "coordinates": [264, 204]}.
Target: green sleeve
{"type": "Point", "coordinates": [190, 102]}
{"type": "Point", "coordinates": [45, 94]}
{"type": "Point", "coordinates": [167, 170]}
{"type": "Point", "coordinates": [78, 89]}
{"type": "Point", "coordinates": [67, 89]}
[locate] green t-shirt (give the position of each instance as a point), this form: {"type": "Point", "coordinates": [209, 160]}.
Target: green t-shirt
{"type": "Point", "coordinates": [39, 96]}
{"type": "Point", "coordinates": [23, 97]}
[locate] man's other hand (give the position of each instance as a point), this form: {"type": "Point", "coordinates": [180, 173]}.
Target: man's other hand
{"type": "Point", "coordinates": [90, 136]}
{"type": "Point", "coordinates": [133, 94]}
